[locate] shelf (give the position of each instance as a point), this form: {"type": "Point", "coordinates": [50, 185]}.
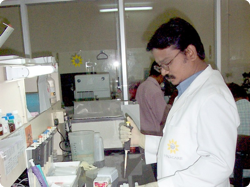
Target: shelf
{"type": "Point", "coordinates": [15, 60]}
{"type": "Point", "coordinates": [18, 2]}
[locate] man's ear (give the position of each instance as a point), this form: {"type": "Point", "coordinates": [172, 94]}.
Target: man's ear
{"type": "Point", "coordinates": [191, 52]}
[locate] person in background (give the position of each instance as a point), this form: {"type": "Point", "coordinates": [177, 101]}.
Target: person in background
{"type": "Point", "coordinates": [243, 106]}
{"type": "Point", "coordinates": [172, 97]}
{"type": "Point", "coordinates": [197, 148]}
{"type": "Point", "coordinates": [153, 108]}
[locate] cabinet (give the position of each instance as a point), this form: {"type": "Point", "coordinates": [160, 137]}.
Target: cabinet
{"type": "Point", "coordinates": [13, 97]}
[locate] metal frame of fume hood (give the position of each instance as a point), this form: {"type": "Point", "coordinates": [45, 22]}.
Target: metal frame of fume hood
{"type": "Point", "coordinates": [26, 37]}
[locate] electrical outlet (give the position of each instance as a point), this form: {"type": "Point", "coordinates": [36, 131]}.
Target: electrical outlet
{"type": "Point", "coordinates": [56, 122]}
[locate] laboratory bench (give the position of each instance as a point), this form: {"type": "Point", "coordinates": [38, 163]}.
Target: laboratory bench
{"type": "Point", "coordinates": [137, 170]}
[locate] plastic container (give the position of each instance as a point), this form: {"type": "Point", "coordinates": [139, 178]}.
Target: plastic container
{"type": "Point", "coordinates": [90, 177]}
{"type": "Point", "coordinates": [65, 169]}
{"type": "Point", "coordinates": [18, 120]}
{"type": "Point", "coordinates": [67, 181]}
{"type": "Point", "coordinates": [99, 149]}
{"type": "Point", "coordinates": [6, 129]}
{"type": "Point", "coordinates": [52, 89]}
{"type": "Point", "coordinates": [101, 182]}
{"type": "Point", "coordinates": [1, 124]}
{"type": "Point", "coordinates": [82, 146]}
{"type": "Point", "coordinates": [110, 172]}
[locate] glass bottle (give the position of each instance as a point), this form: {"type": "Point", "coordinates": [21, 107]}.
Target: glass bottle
{"type": "Point", "coordinates": [1, 125]}
{"type": "Point", "coordinates": [11, 123]}
{"type": "Point", "coordinates": [1, 128]}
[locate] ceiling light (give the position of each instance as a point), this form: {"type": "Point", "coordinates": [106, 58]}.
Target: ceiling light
{"type": "Point", "coordinates": [18, 72]}
{"type": "Point", "coordinates": [6, 33]}
{"type": "Point", "coordinates": [126, 9]}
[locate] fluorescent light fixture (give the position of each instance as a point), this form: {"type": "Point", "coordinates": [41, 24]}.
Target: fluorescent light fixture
{"type": "Point", "coordinates": [127, 9]}
{"type": "Point", "coordinates": [18, 72]}
{"type": "Point", "coordinates": [6, 33]}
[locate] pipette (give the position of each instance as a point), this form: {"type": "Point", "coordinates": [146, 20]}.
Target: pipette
{"type": "Point", "coordinates": [126, 149]}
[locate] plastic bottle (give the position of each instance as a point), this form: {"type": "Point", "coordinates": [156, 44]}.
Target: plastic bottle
{"type": "Point", "coordinates": [52, 89]}
{"type": "Point", "coordinates": [6, 129]}
{"type": "Point", "coordinates": [99, 149]}
{"type": "Point", "coordinates": [11, 123]}
{"type": "Point", "coordinates": [8, 114]}
{"type": "Point", "coordinates": [18, 120]}
{"type": "Point", "coordinates": [1, 125]}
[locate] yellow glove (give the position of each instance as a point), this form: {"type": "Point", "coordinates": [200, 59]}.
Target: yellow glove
{"type": "Point", "coordinates": [137, 138]}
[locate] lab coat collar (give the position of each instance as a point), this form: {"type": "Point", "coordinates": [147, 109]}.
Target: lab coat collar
{"type": "Point", "coordinates": [180, 101]}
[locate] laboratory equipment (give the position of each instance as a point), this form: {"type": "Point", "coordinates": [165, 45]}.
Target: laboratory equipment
{"type": "Point", "coordinates": [37, 172]}
{"type": "Point", "coordinates": [126, 150]}
{"type": "Point", "coordinates": [99, 150]}
{"type": "Point", "coordinates": [65, 181]}
{"type": "Point", "coordinates": [82, 146]}
{"type": "Point", "coordinates": [105, 117]}
{"type": "Point", "coordinates": [90, 86]}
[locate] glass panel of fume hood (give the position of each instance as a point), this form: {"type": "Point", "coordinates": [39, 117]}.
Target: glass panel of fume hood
{"type": "Point", "coordinates": [97, 109]}
{"type": "Point", "coordinates": [83, 40]}
{"type": "Point", "coordinates": [14, 44]}
{"type": "Point", "coordinates": [141, 25]}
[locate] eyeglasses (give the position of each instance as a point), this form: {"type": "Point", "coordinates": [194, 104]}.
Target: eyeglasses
{"type": "Point", "coordinates": [165, 65]}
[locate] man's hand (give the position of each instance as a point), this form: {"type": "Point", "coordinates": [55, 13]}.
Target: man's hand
{"type": "Point", "coordinates": [137, 138]}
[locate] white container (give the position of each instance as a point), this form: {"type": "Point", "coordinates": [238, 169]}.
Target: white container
{"type": "Point", "coordinates": [67, 181]}
{"type": "Point", "coordinates": [65, 168]}
{"type": "Point", "coordinates": [5, 124]}
{"type": "Point", "coordinates": [82, 146]}
{"type": "Point", "coordinates": [1, 123]}
{"type": "Point", "coordinates": [52, 89]}
{"type": "Point", "coordinates": [99, 150]}
{"type": "Point", "coordinates": [17, 119]}
{"type": "Point", "coordinates": [110, 172]}
{"type": "Point", "coordinates": [101, 182]}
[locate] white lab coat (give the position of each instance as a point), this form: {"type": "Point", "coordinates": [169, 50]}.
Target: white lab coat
{"type": "Point", "coordinates": [198, 145]}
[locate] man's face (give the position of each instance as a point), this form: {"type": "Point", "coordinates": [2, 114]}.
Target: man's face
{"type": "Point", "coordinates": [173, 64]}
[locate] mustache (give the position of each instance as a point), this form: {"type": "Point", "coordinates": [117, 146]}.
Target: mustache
{"type": "Point", "coordinates": [169, 77]}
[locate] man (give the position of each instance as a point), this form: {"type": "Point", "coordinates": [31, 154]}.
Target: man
{"type": "Point", "coordinates": [197, 148]}
{"type": "Point", "coordinates": [153, 108]}
{"type": "Point", "coordinates": [243, 106]}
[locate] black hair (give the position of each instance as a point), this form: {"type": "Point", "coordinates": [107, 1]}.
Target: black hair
{"type": "Point", "coordinates": [153, 71]}
{"type": "Point", "coordinates": [177, 33]}
{"type": "Point", "coordinates": [237, 91]}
